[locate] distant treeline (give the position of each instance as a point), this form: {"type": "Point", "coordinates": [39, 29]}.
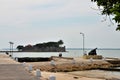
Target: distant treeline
{"type": "Point", "coordinates": [43, 47]}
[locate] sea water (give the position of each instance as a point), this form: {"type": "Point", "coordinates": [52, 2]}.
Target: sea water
{"type": "Point", "coordinates": [71, 52]}
{"type": "Point", "coordinates": [114, 53]}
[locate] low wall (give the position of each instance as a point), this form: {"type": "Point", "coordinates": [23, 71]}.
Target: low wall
{"type": "Point", "coordinates": [92, 56]}
{"type": "Point", "coordinates": [114, 62]}
{"type": "Point", "coordinates": [56, 57]}
{"type": "Point", "coordinates": [30, 59]}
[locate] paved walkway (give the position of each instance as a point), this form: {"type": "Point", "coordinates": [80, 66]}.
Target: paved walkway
{"type": "Point", "coordinates": [12, 70]}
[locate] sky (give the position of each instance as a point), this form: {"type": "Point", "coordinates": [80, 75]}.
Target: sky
{"type": "Point", "coordinates": [36, 21]}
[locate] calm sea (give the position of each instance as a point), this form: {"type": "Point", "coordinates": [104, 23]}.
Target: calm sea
{"type": "Point", "coordinates": [72, 52]}
{"type": "Point", "coordinates": [115, 53]}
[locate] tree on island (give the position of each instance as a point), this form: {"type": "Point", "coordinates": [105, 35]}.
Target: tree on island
{"type": "Point", "coordinates": [110, 7]}
{"type": "Point", "coordinates": [42, 46]}
{"type": "Point", "coordinates": [20, 47]}
{"type": "Point", "coordinates": [60, 42]}
{"type": "Point", "coordinates": [50, 44]}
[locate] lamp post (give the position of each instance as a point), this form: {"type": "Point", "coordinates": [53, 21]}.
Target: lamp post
{"type": "Point", "coordinates": [83, 42]}
{"type": "Point", "coordinates": [11, 47]}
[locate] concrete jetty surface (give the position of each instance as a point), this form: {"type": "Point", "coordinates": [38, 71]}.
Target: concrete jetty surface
{"type": "Point", "coordinates": [12, 70]}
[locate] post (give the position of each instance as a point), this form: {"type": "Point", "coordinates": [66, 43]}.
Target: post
{"type": "Point", "coordinates": [52, 62]}
{"type": "Point", "coordinates": [83, 42]}
{"type": "Point", "coordinates": [24, 64]}
{"type": "Point", "coordinates": [30, 68]}
{"type": "Point", "coordinates": [52, 77]}
{"type": "Point", "coordinates": [11, 48]}
{"type": "Point", "coordinates": [91, 60]}
{"type": "Point", "coordinates": [16, 59]}
{"type": "Point", "coordinates": [38, 73]}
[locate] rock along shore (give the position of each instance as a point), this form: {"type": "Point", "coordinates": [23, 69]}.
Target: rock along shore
{"type": "Point", "coordinates": [68, 65]}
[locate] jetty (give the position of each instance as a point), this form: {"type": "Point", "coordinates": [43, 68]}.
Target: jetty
{"type": "Point", "coordinates": [114, 61]}
{"type": "Point", "coordinates": [63, 64]}
{"type": "Point", "coordinates": [12, 70]}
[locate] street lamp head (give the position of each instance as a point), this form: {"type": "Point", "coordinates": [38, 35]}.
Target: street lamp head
{"type": "Point", "coordinates": [11, 42]}
{"type": "Point", "coordinates": [81, 33]}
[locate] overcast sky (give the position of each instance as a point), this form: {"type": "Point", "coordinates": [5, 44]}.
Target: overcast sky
{"type": "Point", "coordinates": [36, 21]}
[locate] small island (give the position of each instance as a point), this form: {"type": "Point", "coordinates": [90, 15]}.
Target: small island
{"type": "Point", "coordinates": [43, 47]}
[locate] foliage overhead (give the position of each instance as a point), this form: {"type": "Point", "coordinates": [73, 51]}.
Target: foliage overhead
{"type": "Point", "coordinates": [110, 7]}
